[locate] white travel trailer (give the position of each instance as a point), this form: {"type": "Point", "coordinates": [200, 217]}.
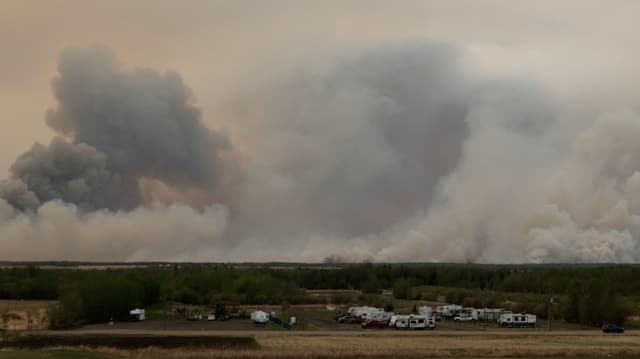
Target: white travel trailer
{"type": "Point", "coordinates": [380, 316]}
{"type": "Point", "coordinates": [260, 317]}
{"type": "Point", "coordinates": [421, 322]}
{"type": "Point", "coordinates": [399, 321]}
{"type": "Point", "coordinates": [426, 311]}
{"type": "Point", "coordinates": [449, 311]}
{"type": "Point", "coordinates": [517, 320]}
{"type": "Point", "coordinates": [357, 311]}
{"type": "Point", "coordinates": [412, 322]}
{"type": "Point", "coordinates": [488, 314]}
{"type": "Point", "coordinates": [365, 312]}
{"type": "Point", "coordinates": [137, 315]}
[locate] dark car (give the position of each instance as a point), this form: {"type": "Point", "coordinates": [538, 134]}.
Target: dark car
{"type": "Point", "coordinates": [375, 324]}
{"type": "Point", "coordinates": [355, 320]}
{"type": "Point", "coordinates": [344, 318]}
{"type": "Point", "coordinates": [611, 328]}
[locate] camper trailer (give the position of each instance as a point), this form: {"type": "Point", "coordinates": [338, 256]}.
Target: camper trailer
{"type": "Point", "coordinates": [488, 314]}
{"type": "Point", "coordinates": [517, 320]}
{"type": "Point", "coordinates": [366, 313]}
{"type": "Point", "coordinates": [449, 311]}
{"type": "Point", "coordinates": [426, 311]}
{"type": "Point", "coordinates": [412, 322]}
{"type": "Point", "coordinates": [399, 321]}
{"type": "Point", "coordinates": [260, 317]}
{"type": "Point", "coordinates": [137, 315]}
{"type": "Point", "coordinates": [421, 322]}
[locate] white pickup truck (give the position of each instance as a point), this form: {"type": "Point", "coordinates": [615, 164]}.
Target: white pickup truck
{"type": "Point", "coordinates": [464, 318]}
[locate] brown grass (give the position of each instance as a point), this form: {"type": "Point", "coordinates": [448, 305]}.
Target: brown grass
{"type": "Point", "coordinates": [18, 313]}
{"type": "Point", "coordinates": [294, 345]}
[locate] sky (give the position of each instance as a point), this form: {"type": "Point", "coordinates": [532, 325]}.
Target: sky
{"type": "Point", "coordinates": [284, 84]}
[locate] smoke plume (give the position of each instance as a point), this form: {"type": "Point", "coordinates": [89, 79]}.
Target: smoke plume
{"type": "Point", "coordinates": [119, 125]}
{"type": "Point", "coordinates": [398, 153]}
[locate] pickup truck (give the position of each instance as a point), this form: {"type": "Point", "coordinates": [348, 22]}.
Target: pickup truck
{"type": "Point", "coordinates": [611, 328]}
{"type": "Point", "coordinates": [464, 318]}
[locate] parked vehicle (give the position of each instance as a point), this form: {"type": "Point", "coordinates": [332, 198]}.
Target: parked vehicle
{"type": "Point", "coordinates": [427, 311]}
{"type": "Point", "coordinates": [366, 313]}
{"type": "Point", "coordinates": [421, 322]}
{"type": "Point", "coordinates": [488, 314]}
{"type": "Point", "coordinates": [412, 322]}
{"type": "Point", "coordinates": [449, 311]}
{"type": "Point", "coordinates": [260, 317]}
{"type": "Point", "coordinates": [612, 328]}
{"type": "Point", "coordinates": [464, 318]}
{"type": "Point", "coordinates": [375, 324]}
{"type": "Point", "coordinates": [345, 318]}
{"type": "Point", "coordinates": [517, 320]}
{"type": "Point", "coordinates": [137, 315]}
{"type": "Point", "coordinates": [399, 321]}
{"type": "Point", "coordinates": [211, 317]}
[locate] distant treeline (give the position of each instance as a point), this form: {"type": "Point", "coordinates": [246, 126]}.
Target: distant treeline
{"type": "Point", "coordinates": [98, 295]}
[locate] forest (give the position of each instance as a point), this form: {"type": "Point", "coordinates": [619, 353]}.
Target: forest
{"type": "Point", "coordinates": [584, 294]}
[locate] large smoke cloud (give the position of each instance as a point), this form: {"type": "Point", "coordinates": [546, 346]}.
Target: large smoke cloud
{"type": "Point", "coordinates": [401, 153]}
{"type": "Point", "coordinates": [120, 125]}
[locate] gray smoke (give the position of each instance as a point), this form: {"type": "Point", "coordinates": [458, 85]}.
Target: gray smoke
{"type": "Point", "coordinates": [401, 153]}
{"type": "Point", "coordinates": [342, 155]}
{"type": "Point", "coordinates": [143, 120]}
{"type": "Point", "coordinates": [121, 125]}
{"type": "Point", "coordinates": [356, 148]}
{"type": "Point", "coordinates": [73, 173]}
{"type": "Point", "coordinates": [15, 192]}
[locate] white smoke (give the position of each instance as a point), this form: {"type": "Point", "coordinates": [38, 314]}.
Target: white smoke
{"type": "Point", "coordinates": [157, 232]}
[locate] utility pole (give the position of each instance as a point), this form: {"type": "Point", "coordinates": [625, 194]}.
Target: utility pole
{"type": "Point", "coordinates": [551, 301]}
{"type": "Point", "coordinates": [484, 310]}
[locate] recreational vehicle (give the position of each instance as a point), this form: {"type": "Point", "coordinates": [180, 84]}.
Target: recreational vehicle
{"type": "Point", "coordinates": [137, 315]}
{"type": "Point", "coordinates": [426, 311]}
{"type": "Point", "coordinates": [488, 314]}
{"type": "Point", "coordinates": [412, 322]}
{"type": "Point", "coordinates": [260, 317]}
{"type": "Point", "coordinates": [517, 320]}
{"type": "Point", "coordinates": [449, 311]}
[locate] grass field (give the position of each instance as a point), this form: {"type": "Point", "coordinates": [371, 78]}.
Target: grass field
{"type": "Point", "coordinates": [385, 344]}
{"type": "Point", "coordinates": [58, 354]}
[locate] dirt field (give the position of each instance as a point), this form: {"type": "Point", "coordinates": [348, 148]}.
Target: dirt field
{"type": "Point", "coordinates": [16, 314]}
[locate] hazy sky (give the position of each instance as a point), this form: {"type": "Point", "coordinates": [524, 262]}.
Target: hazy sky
{"type": "Point", "coordinates": [485, 131]}
{"type": "Point", "coordinates": [220, 47]}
